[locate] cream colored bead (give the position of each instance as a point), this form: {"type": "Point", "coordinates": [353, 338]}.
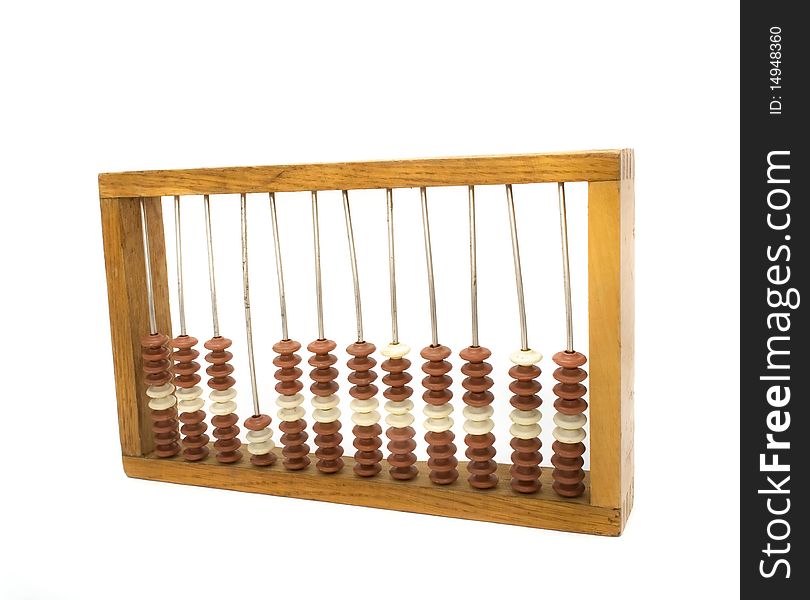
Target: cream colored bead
{"type": "Point", "coordinates": [289, 401]}
{"type": "Point", "coordinates": [365, 419]}
{"type": "Point", "coordinates": [189, 406]}
{"type": "Point", "coordinates": [395, 350]}
{"type": "Point", "coordinates": [525, 417]}
{"type": "Point", "coordinates": [437, 412]}
{"type": "Point", "coordinates": [399, 408]}
{"type": "Point", "coordinates": [222, 395]}
{"type": "Point", "coordinates": [525, 358]}
{"type": "Point", "coordinates": [257, 437]}
{"type": "Point", "coordinates": [525, 432]}
{"type": "Point", "coordinates": [160, 391]}
{"type": "Point", "coordinates": [438, 425]}
{"type": "Point", "coordinates": [325, 402]}
{"type": "Point", "coordinates": [568, 436]}
{"type": "Point", "coordinates": [401, 420]}
{"type": "Point", "coordinates": [191, 393]}
{"type": "Point", "coordinates": [162, 403]}
{"type": "Point", "coordinates": [477, 413]}
{"type": "Point", "coordinates": [222, 408]}
{"type": "Point", "coordinates": [326, 416]}
{"type": "Point", "coordinates": [364, 406]}
{"type": "Point", "coordinates": [292, 414]}
{"type": "Point", "coordinates": [570, 421]}
{"type": "Point", "coordinates": [479, 427]}
{"type": "Point", "coordinates": [261, 448]}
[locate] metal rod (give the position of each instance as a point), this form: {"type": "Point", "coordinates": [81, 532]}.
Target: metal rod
{"type": "Point", "coordinates": [510, 203]}
{"type": "Point", "coordinates": [569, 319]}
{"type": "Point", "coordinates": [473, 268]}
{"type": "Point", "coordinates": [246, 297]}
{"type": "Point", "coordinates": [282, 298]}
{"type": "Point", "coordinates": [316, 236]}
{"type": "Point", "coordinates": [147, 255]}
{"type": "Point", "coordinates": [429, 260]}
{"type": "Point", "coordinates": [358, 310]}
{"type": "Point", "coordinates": [392, 267]}
{"type": "Point", "coordinates": [212, 283]}
{"type": "Point", "coordinates": [181, 300]}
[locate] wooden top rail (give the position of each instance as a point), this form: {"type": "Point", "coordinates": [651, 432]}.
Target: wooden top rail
{"type": "Point", "coordinates": [596, 165]}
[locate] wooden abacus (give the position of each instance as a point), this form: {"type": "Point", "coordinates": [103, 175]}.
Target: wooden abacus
{"type": "Point", "coordinates": [156, 389]}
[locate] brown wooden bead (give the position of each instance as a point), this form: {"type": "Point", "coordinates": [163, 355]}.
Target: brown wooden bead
{"type": "Point", "coordinates": [258, 422]}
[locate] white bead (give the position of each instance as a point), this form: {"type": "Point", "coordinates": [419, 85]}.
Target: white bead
{"type": "Point", "coordinates": [438, 425]}
{"type": "Point", "coordinates": [525, 432]}
{"type": "Point", "coordinates": [191, 393]}
{"type": "Point", "coordinates": [365, 419]}
{"type": "Point", "coordinates": [289, 401]}
{"type": "Point", "coordinates": [262, 448]}
{"type": "Point", "coordinates": [325, 402]}
{"type": "Point", "coordinates": [223, 408]}
{"type": "Point", "coordinates": [570, 421]}
{"type": "Point", "coordinates": [395, 350]}
{"type": "Point", "coordinates": [160, 391]}
{"type": "Point", "coordinates": [257, 437]}
{"type": "Point", "coordinates": [364, 406]}
{"type": "Point", "coordinates": [222, 395]}
{"type": "Point", "coordinates": [399, 408]}
{"type": "Point", "coordinates": [162, 403]}
{"type": "Point", "coordinates": [326, 416]}
{"type": "Point", "coordinates": [438, 412]}
{"type": "Point", "coordinates": [403, 420]}
{"type": "Point", "coordinates": [525, 358]}
{"type": "Point", "coordinates": [477, 413]}
{"type": "Point", "coordinates": [292, 414]}
{"type": "Point", "coordinates": [525, 417]}
{"type": "Point", "coordinates": [479, 427]}
{"type": "Point", "coordinates": [568, 436]}
{"type": "Point", "coordinates": [190, 406]}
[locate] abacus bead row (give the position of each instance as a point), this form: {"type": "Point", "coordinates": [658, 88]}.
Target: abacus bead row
{"type": "Point", "coordinates": [222, 397]}
{"type": "Point", "coordinates": [399, 407]}
{"type": "Point", "coordinates": [325, 401]}
{"type": "Point", "coordinates": [441, 449]}
{"type": "Point", "coordinates": [525, 417]}
{"type": "Point", "coordinates": [160, 391]}
{"type": "Point", "coordinates": [291, 413]}
{"type": "Point", "coordinates": [569, 420]}
{"type": "Point", "coordinates": [478, 418]}
{"type": "Point", "coordinates": [190, 404]}
{"type": "Point", "coordinates": [364, 409]}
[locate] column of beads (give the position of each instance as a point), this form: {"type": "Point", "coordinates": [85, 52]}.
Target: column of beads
{"type": "Point", "coordinates": [478, 418]}
{"type": "Point", "coordinates": [441, 449]}
{"type": "Point", "coordinates": [569, 420]}
{"type": "Point", "coordinates": [291, 413]}
{"type": "Point", "coordinates": [525, 419]}
{"type": "Point", "coordinates": [190, 405]}
{"type": "Point", "coordinates": [160, 390]}
{"type": "Point", "coordinates": [325, 401]}
{"type": "Point", "coordinates": [399, 407]}
{"type": "Point", "coordinates": [222, 397]}
{"type": "Point", "coordinates": [260, 440]}
{"type": "Point", "coordinates": [364, 405]}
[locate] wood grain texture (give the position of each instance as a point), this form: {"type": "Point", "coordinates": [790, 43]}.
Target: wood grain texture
{"type": "Point", "coordinates": [498, 505]}
{"type": "Point", "coordinates": [597, 165]}
{"type": "Point", "coordinates": [129, 319]}
{"type": "Point", "coordinates": [611, 326]}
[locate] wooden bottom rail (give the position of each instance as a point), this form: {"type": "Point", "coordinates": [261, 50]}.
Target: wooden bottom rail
{"type": "Point", "coordinates": [543, 509]}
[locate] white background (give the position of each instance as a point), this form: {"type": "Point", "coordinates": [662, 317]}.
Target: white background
{"type": "Point", "coordinates": [89, 87]}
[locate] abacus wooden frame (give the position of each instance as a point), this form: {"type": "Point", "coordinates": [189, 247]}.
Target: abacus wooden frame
{"type": "Point", "coordinates": [605, 506]}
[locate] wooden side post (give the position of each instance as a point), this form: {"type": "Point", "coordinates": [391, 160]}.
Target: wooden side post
{"type": "Point", "coordinates": [611, 316]}
{"type": "Point", "coordinates": [129, 317]}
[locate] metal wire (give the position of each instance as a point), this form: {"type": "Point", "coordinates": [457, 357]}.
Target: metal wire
{"type": "Point", "coordinates": [316, 236]}
{"type": "Point", "coordinates": [392, 267]}
{"type": "Point", "coordinates": [473, 268]}
{"type": "Point", "coordinates": [358, 310]}
{"type": "Point", "coordinates": [181, 300]}
{"type": "Point", "coordinates": [510, 203]}
{"type": "Point", "coordinates": [147, 254]}
{"type": "Point", "coordinates": [282, 298]}
{"type": "Point", "coordinates": [429, 261]}
{"type": "Point", "coordinates": [569, 319]}
{"type": "Point", "coordinates": [246, 298]}
{"type": "Point", "coordinates": [212, 284]}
